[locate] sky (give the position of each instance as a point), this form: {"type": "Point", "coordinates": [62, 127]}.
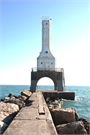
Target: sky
{"type": "Point", "coordinates": [21, 39]}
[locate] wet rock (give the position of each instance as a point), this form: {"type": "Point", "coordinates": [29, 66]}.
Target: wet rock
{"type": "Point", "coordinates": [72, 128]}
{"type": "Point", "coordinates": [62, 116]}
{"type": "Point", "coordinates": [26, 93]}
{"type": "Point", "coordinates": [3, 126]}
{"type": "Point", "coordinates": [8, 111]}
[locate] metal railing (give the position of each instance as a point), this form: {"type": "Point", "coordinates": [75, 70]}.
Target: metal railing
{"type": "Point", "coordinates": [47, 69]}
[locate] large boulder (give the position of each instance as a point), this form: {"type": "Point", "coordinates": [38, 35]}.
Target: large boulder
{"type": "Point", "coordinates": [26, 93]}
{"type": "Point", "coordinates": [3, 126]}
{"type": "Point", "coordinates": [71, 128]}
{"type": "Point", "coordinates": [62, 116]}
{"type": "Point", "coordinates": [15, 101]}
{"type": "Point", "coordinates": [8, 111]}
{"type": "Point", "coordinates": [86, 124]}
{"type": "Point", "coordinates": [18, 102]}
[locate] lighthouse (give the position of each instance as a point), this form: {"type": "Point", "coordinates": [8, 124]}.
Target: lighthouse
{"type": "Point", "coordinates": [46, 61]}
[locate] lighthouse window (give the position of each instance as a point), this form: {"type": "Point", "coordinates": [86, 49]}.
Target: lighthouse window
{"type": "Point", "coordinates": [41, 62]}
{"type": "Point", "coordinates": [46, 51]}
{"type": "Point", "coordinates": [46, 23]}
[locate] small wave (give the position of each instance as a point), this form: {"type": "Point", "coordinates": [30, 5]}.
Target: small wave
{"type": "Point", "coordinates": [78, 99]}
{"type": "Point", "coordinates": [64, 99]}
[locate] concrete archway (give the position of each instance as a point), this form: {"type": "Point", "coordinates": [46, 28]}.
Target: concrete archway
{"type": "Point", "coordinates": [57, 77]}
{"type": "Point", "coordinates": [52, 79]}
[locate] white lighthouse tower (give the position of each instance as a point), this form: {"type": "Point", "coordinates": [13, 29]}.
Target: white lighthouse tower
{"type": "Point", "coordinates": [46, 61]}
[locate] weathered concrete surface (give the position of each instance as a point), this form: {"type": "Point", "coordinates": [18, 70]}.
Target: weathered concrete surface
{"type": "Point", "coordinates": [57, 78]}
{"type": "Point", "coordinates": [29, 122]}
{"type": "Point", "coordinates": [53, 94]}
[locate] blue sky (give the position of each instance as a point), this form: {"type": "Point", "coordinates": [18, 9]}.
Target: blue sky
{"type": "Point", "coordinates": [21, 39]}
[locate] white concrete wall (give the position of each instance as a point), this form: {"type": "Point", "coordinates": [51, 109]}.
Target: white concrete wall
{"type": "Point", "coordinates": [46, 35]}
{"type": "Point", "coordinates": [46, 60]}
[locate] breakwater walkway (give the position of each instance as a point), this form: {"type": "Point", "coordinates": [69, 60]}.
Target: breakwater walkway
{"type": "Point", "coordinates": [34, 119]}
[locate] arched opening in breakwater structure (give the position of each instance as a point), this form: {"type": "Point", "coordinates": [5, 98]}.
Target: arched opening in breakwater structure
{"type": "Point", "coordinates": [51, 79]}
{"type": "Point", "coordinates": [57, 78]}
{"type": "Point", "coordinates": [45, 83]}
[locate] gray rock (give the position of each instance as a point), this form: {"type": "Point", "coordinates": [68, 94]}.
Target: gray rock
{"type": "Point", "coordinates": [54, 105]}
{"type": "Point", "coordinates": [3, 126]}
{"type": "Point", "coordinates": [21, 97]}
{"type": "Point", "coordinates": [72, 128]}
{"type": "Point", "coordinates": [26, 93]}
{"type": "Point", "coordinates": [8, 99]}
{"type": "Point", "coordinates": [8, 111]}
{"type": "Point", "coordinates": [18, 102]}
{"type": "Point", "coordinates": [15, 101]}
{"type": "Point", "coordinates": [86, 124]}
{"type": "Point", "coordinates": [62, 116]}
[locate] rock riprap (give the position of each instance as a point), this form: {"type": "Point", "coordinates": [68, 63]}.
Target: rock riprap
{"type": "Point", "coordinates": [16, 101]}
{"type": "Point", "coordinates": [72, 128]}
{"type": "Point", "coordinates": [8, 111]}
{"type": "Point", "coordinates": [53, 105]}
{"type": "Point", "coordinates": [62, 116]}
{"type": "Point", "coordinates": [10, 107]}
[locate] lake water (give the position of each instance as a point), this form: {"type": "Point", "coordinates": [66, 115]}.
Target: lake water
{"type": "Point", "coordinates": [81, 102]}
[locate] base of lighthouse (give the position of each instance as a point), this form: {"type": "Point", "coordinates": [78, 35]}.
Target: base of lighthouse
{"type": "Point", "coordinates": [57, 78]}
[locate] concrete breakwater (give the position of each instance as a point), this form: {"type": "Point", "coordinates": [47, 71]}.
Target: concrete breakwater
{"type": "Point", "coordinates": [34, 116]}
{"type": "Point", "coordinates": [33, 119]}
{"type": "Point", "coordinates": [53, 94]}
